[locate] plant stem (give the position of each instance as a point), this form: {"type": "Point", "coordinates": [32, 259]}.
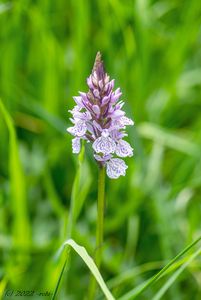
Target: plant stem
{"type": "Point", "coordinates": [100, 216]}
{"type": "Point", "coordinates": [99, 229]}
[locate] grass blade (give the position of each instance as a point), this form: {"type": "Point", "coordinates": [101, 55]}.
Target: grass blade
{"type": "Point", "coordinates": [80, 190]}
{"type": "Point", "coordinates": [81, 251]}
{"type": "Point", "coordinates": [21, 227]}
{"type": "Point", "coordinates": [172, 279]}
{"type": "Point", "coordinates": [3, 284]}
{"type": "Point", "coordinates": [137, 291]}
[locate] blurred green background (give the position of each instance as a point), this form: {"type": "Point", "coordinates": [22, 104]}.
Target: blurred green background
{"type": "Point", "coordinates": [47, 49]}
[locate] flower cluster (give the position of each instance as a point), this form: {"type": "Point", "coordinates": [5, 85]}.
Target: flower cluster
{"type": "Point", "coordinates": [99, 119]}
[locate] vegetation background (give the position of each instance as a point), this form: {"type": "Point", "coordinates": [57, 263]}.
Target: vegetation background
{"type": "Point", "coordinates": [153, 50]}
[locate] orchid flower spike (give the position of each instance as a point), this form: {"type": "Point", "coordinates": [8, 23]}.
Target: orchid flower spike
{"type": "Point", "coordinates": [99, 119]}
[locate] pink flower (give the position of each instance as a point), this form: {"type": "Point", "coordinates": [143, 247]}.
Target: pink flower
{"type": "Point", "coordinates": [98, 118]}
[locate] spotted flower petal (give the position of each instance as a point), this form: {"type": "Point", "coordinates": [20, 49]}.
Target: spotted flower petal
{"type": "Point", "coordinates": [116, 167]}
{"type": "Point", "coordinates": [126, 121]}
{"type": "Point", "coordinates": [104, 145]}
{"type": "Point", "coordinates": [123, 149]}
{"type": "Point", "coordinates": [76, 145]}
{"type": "Point", "coordinates": [79, 129]}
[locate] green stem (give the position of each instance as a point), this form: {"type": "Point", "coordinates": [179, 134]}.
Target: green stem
{"type": "Point", "coordinates": [100, 216]}
{"type": "Point", "coordinates": [99, 229]}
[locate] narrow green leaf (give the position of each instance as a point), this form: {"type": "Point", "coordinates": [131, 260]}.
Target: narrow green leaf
{"type": "Point", "coordinates": [142, 287]}
{"type": "Point", "coordinates": [3, 284]}
{"type": "Point", "coordinates": [81, 251]}
{"type": "Point", "coordinates": [172, 279]}
{"type": "Point", "coordinates": [21, 226]}
{"type": "Point", "coordinates": [80, 190]}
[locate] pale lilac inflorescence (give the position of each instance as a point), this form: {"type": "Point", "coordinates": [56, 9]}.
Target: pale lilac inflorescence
{"type": "Point", "coordinates": [99, 119]}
